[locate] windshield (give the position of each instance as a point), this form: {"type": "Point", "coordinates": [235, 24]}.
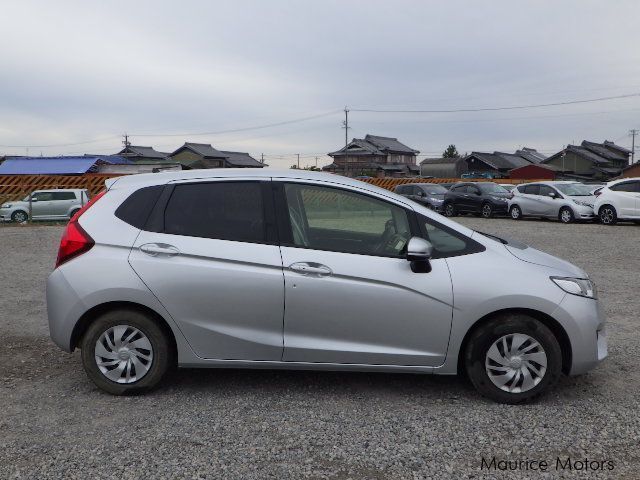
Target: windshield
{"type": "Point", "coordinates": [488, 187]}
{"type": "Point", "coordinates": [574, 189]}
{"type": "Point", "coordinates": [434, 189]}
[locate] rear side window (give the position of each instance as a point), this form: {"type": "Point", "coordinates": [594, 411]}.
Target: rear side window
{"type": "Point", "coordinates": [136, 208]}
{"type": "Point", "coordinates": [222, 210]}
{"type": "Point", "coordinates": [626, 187]}
{"type": "Point", "coordinates": [63, 196]}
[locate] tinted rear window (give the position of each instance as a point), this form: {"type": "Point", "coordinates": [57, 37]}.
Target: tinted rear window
{"type": "Point", "coordinates": [531, 189]}
{"type": "Point", "coordinates": [225, 211]}
{"type": "Point", "coordinates": [626, 187]}
{"type": "Point", "coordinates": [63, 196]}
{"type": "Point", "coordinates": [136, 208]}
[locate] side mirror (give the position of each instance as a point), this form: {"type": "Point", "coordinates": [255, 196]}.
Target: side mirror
{"type": "Point", "coordinates": [552, 195]}
{"type": "Point", "coordinates": [34, 199]}
{"type": "Point", "coordinates": [478, 192]}
{"type": "Point", "coordinates": [421, 193]}
{"type": "Point", "coordinates": [419, 250]}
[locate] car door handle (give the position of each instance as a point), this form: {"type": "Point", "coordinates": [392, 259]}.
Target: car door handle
{"type": "Point", "coordinates": [311, 269]}
{"type": "Point", "coordinates": [156, 249]}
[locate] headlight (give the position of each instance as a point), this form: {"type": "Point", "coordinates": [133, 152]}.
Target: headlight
{"type": "Point", "coordinates": [6, 205]}
{"type": "Point", "coordinates": [582, 287]}
{"type": "Point", "coordinates": [584, 204]}
{"type": "Point", "coordinates": [500, 199]}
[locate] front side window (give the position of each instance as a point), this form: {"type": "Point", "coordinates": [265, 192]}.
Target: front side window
{"type": "Point", "coordinates": [218, 210]}
{"type": "Point", "coordinates": [42, 196]}
{"type": "Point", "coordinates": [574, 189]}
{"type": "Point", "coordinates": [545, 190]}
{"type": "Point", "coordinates": [324, 218]}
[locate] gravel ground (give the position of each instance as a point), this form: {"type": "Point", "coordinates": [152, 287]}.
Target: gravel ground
{"type": "Point", "coordinates": [270, 424]}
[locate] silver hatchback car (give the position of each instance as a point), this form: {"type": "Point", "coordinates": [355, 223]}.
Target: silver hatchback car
{"type": "Point", "coordinates": [56, 204]}
{"type": "Point", "coordinates": [565, 200]}
{"type": "Point", "coordinates": [301, 270]}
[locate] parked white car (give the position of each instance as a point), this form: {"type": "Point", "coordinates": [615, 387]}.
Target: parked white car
{"type": "Point", "coordinates": [619, 200]}
{"type": "Point", "coordinates": [565, 200]}
{"type": "Point", "coordinates": [58, 204]}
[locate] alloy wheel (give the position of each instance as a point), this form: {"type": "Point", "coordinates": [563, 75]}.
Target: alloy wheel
{"type": "Point", "coordinates": [516, 363]}
{"type": "Point", "coordinates": [449, 210]}
{"type": "Point", "coordinates": [123, 354]}
{"type": "Point", "coordinates": [515, 213]}
{"type": "Point", "coordinates": [607, 215]}
{"type": "Point", "coordinates": [19, 217]}
{"type": "Point", "coordinates": [565, 216]}
{"type": "Point", "coordinates": [486, 210]}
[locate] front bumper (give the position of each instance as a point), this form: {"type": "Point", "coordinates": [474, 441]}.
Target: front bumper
{"type": "Point", "coordinates": [500, 207]}
{"type": "Point", "coordinates": [5, 215]}
{"type": "Point", "coordinates": [584, 321]}
{"type": "Point", "coordinates": [582, 212]}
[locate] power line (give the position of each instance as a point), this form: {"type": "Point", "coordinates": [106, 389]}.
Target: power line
{"type": "Point", "coordinates": [63, 144]}
{"type": "Point", "coordinates": [245, 129]}
{"type": "Point", "coordinates": [493, 109]}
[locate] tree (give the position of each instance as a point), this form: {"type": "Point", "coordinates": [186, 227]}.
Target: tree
{"type": "Point", "coordinates": [451, 152]}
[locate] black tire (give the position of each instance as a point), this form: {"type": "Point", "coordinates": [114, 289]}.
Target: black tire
{"type": "Point", "coordinates": [19, 216]}
{"type": "Point", "coordinates": [515, 212]}
{"type": "Point", "coordinates": [565, 215]}
{"type": "Point", "coordinates": [608, 215]}
{"type": "Point", "coordinates": [450, 210]}
{"type": "Point", "coordinates": [483, 338]}
{"type": "Point", "coordinates": [163, 354]}
{"type": "Point", "coordinates": [486, 211]}
{"type": "Point", "coordinates": [73, 212]}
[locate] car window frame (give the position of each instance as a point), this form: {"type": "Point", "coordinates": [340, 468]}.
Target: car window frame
{"type": "Point", "coordinates": [628, 182]}
{"type": "Point", "coordinates": [285, 231]}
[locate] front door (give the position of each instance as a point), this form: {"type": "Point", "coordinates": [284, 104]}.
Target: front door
{"type": "Point", "coordinates": [42, 205]}
{"type": "Point", "coordinates": [215, 266]}
{"type": "Point", "coordinates": [350, 295]}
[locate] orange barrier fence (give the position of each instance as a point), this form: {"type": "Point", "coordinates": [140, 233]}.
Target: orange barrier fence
{"type": "Point", "coordinates": [391, 183]}
{"type": "Point", "coordinates": [15, 187]}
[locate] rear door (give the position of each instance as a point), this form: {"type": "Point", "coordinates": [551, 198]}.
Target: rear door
{"type": "Point", "coordinates": [62, 203]}
{"type": "Point", "coordinates": [351, 296]}
{"type": "Point", "coordinates": [473, 198]}
{"type": "Point", "coordinates": [459, 197]}
{"type": "Point", "coordinates": [213, 261]}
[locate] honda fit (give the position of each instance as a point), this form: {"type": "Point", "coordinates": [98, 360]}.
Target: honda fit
{"type": "Point", "coordinates": [301, 270]}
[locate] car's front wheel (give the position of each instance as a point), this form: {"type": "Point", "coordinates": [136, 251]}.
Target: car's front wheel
{"type": "Point", "coordinates": [126, 351]}
{"type": "Point", "coordinates": [19, 216]}
{"type": "Point", "coordinates": [513, 359]}
{"type": "Point", "coordinates": [565, 215]}
{"type": "Point", "coordinates": [515, 212]}
{"type": "Point", "coordinates": [608, 215]}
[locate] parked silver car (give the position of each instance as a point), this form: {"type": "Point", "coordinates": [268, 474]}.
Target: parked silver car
{"type": "Point", "coordinates": [567, 201]}
{"type": "Point", "coordinates": [302, 270]}
{"type": "Point", "coordinates": [58, 204]}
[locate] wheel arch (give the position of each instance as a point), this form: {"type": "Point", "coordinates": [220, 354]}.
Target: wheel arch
{"type": "Point", "coordinates": [90, 315]}
{"type": "Point", "coordinates": [547, 320]}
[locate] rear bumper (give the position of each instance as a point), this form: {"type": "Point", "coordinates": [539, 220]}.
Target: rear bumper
{"type": "Point", "coordinates": [64, 308]}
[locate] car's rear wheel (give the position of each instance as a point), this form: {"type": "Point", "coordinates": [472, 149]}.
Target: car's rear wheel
{"type": "Point", "coordinates": [450, 210]}
{"type": "Point", "coordinates": [515, 212]}
{"type": "Point", "coordinates": [565, 215]}
{"type": "Point", "coordinates": [126, 351]}
{"type": "Point", "coordinates": [513, 359]}
{"type": "Point", "coordinates": [608, 215]}
{"type": "Point", "coordinates": [19, 216]}
{"type": "Point", "coordinates": [487, 210]}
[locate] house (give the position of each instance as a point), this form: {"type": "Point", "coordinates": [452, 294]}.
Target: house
{"type": "Point", "coordinates": [590, 160]}
{"type": "Point", "coordinates": [632, 170]}
{"type": "Point", "coordinates": [147, 154]}
{"type": "Point", "coordinates": [497, 164]}
{"type": "Point", "coordinates": [62, 165]}
{"type": "Point", "coordinates": [531, 154]}
{"type": "Point", "coordinates": [535, 171]}
{"type": "Point", "coordinates": [443, 167]}
{"type": "Point", "coordinates": [203, 155]}
{"type": "Point", "coordinates": [382, 156]}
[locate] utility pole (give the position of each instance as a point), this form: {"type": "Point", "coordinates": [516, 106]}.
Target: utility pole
{"type": "Point", "coordinates": [125, 141]}
{"type": "Point", "coordinates": [262, 158]}
{"type": "Point", "coordinates": [316, 162]}
{"type": "Point", "coordinates": [298, 160]}
{"type": "Point", "coordinates": [633, 133]}
{"type": "Point", "coordinates": [345, 125]}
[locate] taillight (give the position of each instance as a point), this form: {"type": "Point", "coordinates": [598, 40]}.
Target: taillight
{"type": "Point", "coordinates": [75, 241]}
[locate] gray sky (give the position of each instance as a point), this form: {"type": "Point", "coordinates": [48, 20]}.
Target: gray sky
{"type": "Point", "coordinates": [75, 71]}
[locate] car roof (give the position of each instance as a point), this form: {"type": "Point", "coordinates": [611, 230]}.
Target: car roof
{"type": "Point", "coordinates": [620, 180]}
{"type": "Point", "coordinates": [60, 189]}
